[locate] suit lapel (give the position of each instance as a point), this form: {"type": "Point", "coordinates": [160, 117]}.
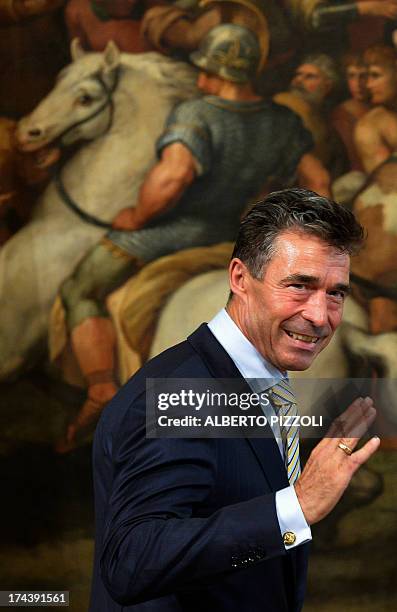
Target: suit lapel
{"type": "Point", "coordinates": [221, 366]}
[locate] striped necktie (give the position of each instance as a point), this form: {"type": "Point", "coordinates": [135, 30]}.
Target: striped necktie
{"type": "Point", "coordinates": [284, 403]}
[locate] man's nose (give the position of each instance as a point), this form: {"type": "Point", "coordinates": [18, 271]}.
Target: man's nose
{"type": "Point", "coordinates": [316, 309]}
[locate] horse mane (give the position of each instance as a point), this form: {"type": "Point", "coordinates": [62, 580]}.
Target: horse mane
{"type": "Point", "coordinates": [177, 79]}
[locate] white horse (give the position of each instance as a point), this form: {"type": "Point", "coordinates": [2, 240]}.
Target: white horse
{"type": "Point", "coordinates": [118, 104]}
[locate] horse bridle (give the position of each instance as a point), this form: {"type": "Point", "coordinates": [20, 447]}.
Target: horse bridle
{"type": "Point", "coordinates": [57, 173]}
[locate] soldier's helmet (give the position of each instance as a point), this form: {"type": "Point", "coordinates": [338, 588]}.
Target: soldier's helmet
{"type": "Point", "coordinates": [230, 51]}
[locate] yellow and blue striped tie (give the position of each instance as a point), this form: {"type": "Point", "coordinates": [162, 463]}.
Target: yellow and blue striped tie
{"type": "Point", "coordinates": [284, 402]}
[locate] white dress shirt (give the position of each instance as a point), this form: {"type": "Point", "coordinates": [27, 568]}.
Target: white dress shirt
{"type": "Point", "coordinates": [255, 369]}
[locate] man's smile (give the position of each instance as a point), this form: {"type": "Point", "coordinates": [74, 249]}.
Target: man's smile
{"type": "Point", "coordinates": [302, 337]}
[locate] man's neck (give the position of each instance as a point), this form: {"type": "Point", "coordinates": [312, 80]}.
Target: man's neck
{"type": "Point", "coordinates": [234, 313]}
{"type": "Point", "coordinates": [238, 93]}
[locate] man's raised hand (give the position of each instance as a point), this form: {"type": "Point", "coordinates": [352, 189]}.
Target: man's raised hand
{"type": "Point", "coordinates": [330, 467]}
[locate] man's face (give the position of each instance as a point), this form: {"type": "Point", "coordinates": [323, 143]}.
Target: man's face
{"type": "Point", "coordinates": [292, 313]}
{"type": "Point", "coordinates": [356, 77]}
{"type": "Point", "coordinates": [309, 79]}
{"type": "Point", "coordinates": [382, 84]}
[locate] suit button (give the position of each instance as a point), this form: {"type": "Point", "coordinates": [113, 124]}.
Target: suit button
{"type": "Point", "coordinates": [289, 538]}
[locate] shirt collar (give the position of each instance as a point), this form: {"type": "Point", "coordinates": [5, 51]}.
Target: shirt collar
{"type": "Point", "coordinates": [246, 357]}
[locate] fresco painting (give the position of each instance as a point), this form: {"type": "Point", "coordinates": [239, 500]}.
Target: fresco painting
{"type": "Point", "coordinates": [110, 108]}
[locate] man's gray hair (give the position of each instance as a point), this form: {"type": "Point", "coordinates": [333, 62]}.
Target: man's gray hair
{"type": "Point", "coordinates": [325, 63]}
{"type": "Point", "coordinates": [298, 210]}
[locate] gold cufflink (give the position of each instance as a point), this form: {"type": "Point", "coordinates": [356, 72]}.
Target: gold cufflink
{"type": "Point", "coordinates": [289, 538]}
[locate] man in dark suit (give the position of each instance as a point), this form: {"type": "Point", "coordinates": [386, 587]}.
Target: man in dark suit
{"type": "Point", "coordinates": [223, 524]}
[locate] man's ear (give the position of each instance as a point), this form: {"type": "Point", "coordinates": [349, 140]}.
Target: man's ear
{"type": "Point", "coordinates": [238, 278]}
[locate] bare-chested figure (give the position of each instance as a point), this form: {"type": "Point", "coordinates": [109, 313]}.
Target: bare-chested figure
{"type": "Point", "coordinates": [376, 132]}
{"type": "Point", "coordinates": [346, 115]}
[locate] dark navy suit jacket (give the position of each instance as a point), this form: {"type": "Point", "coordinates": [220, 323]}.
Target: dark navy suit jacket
{"type": "Point", "coordinates": [188, 524]}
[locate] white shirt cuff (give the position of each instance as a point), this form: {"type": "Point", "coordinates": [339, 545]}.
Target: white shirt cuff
{"type": "Point", "coordinates": [291, 517]}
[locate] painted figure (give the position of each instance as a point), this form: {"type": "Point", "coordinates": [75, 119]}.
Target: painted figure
{"type": "Point", "coordinates": [376, 132]}
{"type": "Point", "coordinates": [346, 114]}
{"type": "Point", "coordinates": [96, 22]}
{"type": "Point", "coordinates": [185, 200]}
{"type": "Point", "coordinates": [91, 104]}
{"type": "Point", "coordinates": [314, 80]}
{"type": "Point", "coordinates": [375, 205]}
{"type": "Point", "coordinates": [182, 26]}
{"type": "Point", "coordinates": [16, 11]}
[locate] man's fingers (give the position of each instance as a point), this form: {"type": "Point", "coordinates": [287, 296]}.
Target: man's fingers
{"type": "Point", "coordinates": [364, 453]}
{"type": "Point", "coordinates": [355, 421]}
{"type": "Point", "coordinates": [339, 426]}
{"type": "Point", "coordinates": [357, 428]}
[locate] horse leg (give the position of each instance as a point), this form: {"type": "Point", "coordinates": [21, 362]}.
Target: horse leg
{"type": "Point", "coordinates": [93, 337]}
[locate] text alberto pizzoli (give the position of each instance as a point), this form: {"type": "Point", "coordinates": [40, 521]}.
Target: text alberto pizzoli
{"type": "Point", "coordinates": [194, 400]}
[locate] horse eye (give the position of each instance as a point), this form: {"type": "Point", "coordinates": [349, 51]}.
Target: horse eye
{"type": "Point", "coordinates": [85, 100]}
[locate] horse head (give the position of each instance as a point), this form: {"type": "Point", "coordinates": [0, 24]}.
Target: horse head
{"type": "Point", "coordinates": [80, 105]}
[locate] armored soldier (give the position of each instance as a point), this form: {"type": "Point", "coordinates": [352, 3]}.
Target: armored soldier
{"type": "Point", "coordinates": [215, 154]}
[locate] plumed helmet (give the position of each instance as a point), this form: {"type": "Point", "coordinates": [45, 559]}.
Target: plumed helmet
{"type": "Point", "coordinates": [251, 14]}
{"type": "Point", "coordinates": [230, 51]}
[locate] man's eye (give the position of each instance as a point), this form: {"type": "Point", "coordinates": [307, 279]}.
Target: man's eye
{"type": "Point", "coordinates": [340, 295]}
{"type": "Point", "coordinates": [298, 286]}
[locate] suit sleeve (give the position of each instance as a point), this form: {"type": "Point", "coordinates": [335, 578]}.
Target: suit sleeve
{"type": "Point", "coordinates": [155, 543]}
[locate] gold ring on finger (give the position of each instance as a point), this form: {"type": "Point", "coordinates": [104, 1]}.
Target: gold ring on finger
{"type": "Point", "coordinates": [346, 449]}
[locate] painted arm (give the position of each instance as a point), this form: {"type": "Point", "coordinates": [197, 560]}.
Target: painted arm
{"type": "Point", "coordinates": [312, 175]}
{"type": "Point", "coordinates": [167, 27]}
{"type": "Point", "coordinates": [371, 147]}
{"type": "Point", "coordinates": [331, 14]}
{"type": "Point", "coordinates": [185, 34]}
{"type": "Point", "coordinates": [161, 189]}
{"type": "Point", "coordinates": [378, 8]}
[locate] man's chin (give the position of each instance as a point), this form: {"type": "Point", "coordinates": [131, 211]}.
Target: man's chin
{"type": "Point", "coordinates": [299, 361]}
